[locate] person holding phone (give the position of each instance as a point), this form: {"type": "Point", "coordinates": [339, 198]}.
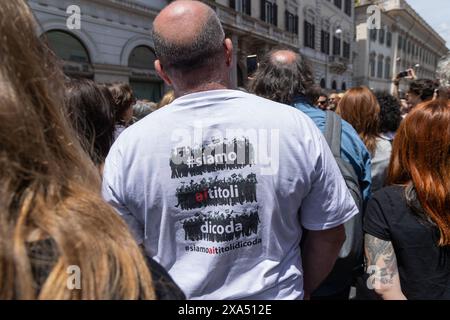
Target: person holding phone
{"type": "Point", "coordinates": [420, 90]}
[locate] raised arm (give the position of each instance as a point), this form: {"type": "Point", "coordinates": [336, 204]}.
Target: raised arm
{"type": "Point", "coordinates": [382, 268]}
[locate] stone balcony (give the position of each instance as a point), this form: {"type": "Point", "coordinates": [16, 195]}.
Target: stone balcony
{"type": "Point", "coordinates": [338, 64]}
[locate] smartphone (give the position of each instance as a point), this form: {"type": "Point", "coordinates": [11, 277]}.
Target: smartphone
{"type": "Point", "coordinates": [403, 74]}
{"type": "Point", "coordinates": [252, 64]}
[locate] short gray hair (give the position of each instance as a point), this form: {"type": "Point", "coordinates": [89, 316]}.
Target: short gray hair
{"type": "Point", "coordinates": [202, 51]}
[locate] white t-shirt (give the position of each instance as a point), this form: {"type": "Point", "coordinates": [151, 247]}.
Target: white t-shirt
{"type": "Point", "coordinates": [217, 186]}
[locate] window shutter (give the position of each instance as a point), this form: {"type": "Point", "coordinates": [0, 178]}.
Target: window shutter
{"type": "Point", "coordinates": [263, 10]}
{"type": "Point", "coordinates": [275, 14]}
{"type": "Point", "coordinates": [248, 7]}
{"type": "Point", "coordinates": [286, 20]}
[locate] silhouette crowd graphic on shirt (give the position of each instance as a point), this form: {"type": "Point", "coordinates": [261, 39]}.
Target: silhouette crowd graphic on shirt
{"type": "Point", "coordinates": [220, 227]}
{"type": "Point", "coordinates": [215, 156]}
{"type": "Point", "coordinates": [217, 192]}
{"type": "Point", "coordinates": [235, 191]}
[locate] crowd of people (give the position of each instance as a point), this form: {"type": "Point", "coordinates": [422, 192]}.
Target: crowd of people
{"type": "Point", "coordinates": [360, 196]}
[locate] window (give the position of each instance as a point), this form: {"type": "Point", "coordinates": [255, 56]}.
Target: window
{"type": "Point", "coordinates": [72, 51]}
{"type": "Point", "coordinates": [400, 42]}
{"type": "Point", "coordinates": [380, 67]}
{"type": "Point", "coordinates": [387, 69]}
{"type": "Point", "coordinates": [373, 34]}
{"type": "Point", "coordinates": [269, 12]}
{"type": "Point", "coordinates": [338, 3]}
{"type": "Point", "coordinates": [389, 39]}
{"type": "Point", "coordinates": [247, 7]}
{"type": "Point", "coordinates": [309, 35]}
{"type": "Point", "coordinates": [336, 46]}
{"type": "Point", "coordinates": [344, 86]}
{"type": "Point", "coordinates": [244, 6]}
{"type": "Point", "coordinates": [372, 66]}
{"type": "Point", "coordinates": [290, 22]}
{"type": "Point", "coordinates": [142, 57]}
{"type": "Point", "coordinates": [381, 36]}
{"type": "Point", "coordinates": [348, 7]}
{"type": "Point", "coordinates": [346, 50]}
{"type": "Point", "coordinates": [322, 84]}
{"type": "Point", "coordinates": [67, 47]}
{"type": "Point", "coordinates": [325, 42]}
{"type": "Point", "coordinates": [334, 85]}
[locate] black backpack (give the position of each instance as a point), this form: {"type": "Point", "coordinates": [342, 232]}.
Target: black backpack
{"type": "Point", "coordinates": [350, 261]}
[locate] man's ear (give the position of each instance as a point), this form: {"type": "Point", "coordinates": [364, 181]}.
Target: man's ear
{"type": "Point", "coordinates": [162, 73]}
{"type": "Point", "coordinates": [228, 44]}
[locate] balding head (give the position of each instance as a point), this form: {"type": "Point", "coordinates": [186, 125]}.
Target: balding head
{"type": "Point", "coordinates": [181, 21]}
{"type": "Point", "coordinates": [283, 57]}
{"type": "Point", "coordinates": [187, 35]}
{"type": "Point", "coordinates": [282, 75]}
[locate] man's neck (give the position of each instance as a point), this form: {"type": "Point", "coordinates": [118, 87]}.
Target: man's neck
{"type": "Point", "coordinates": [200, 88]}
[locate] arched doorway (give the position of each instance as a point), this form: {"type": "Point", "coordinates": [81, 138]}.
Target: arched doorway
{"type": "Point", "coordinates": [72, 51]}
{"type": "Point", "coordinates": [323, 85]}
{"type": "Point", "coordinates": [144, 81]}
{"type": "Point", "coordinates": [334, 85]}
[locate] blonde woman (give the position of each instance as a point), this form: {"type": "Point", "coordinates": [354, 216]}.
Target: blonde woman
{"type": "Point", "coordinates": [51, 214]}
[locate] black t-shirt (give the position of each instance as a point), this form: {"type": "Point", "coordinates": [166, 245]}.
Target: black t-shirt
{"type": "Point", "coordinates": [165, 287]}
{"type": "Point", "coordinates": [44, 255]}
{"type": "Point", "coordinates": [423, 266]}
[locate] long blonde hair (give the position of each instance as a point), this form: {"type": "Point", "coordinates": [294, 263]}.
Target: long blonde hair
{"type": "Point", "coordinates": [49, 188]}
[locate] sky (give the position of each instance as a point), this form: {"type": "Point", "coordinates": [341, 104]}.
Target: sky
{"type": "Point", "coordinates": [436, 13]}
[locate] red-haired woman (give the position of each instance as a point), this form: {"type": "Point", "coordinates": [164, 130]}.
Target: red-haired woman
{"type": "Point", "coordinates": [407, 224]}
{"type": "Point", "coordinates": [361, 109]}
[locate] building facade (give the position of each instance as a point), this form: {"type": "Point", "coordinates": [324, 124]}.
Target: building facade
{"type": "Point", "coordinates": [331, 49]}
{"type": "Point", "coordinates": [322, 30]}
{"type": "Point", "coordinates": [112, 44]}
{"type": "Point", "coordinates": [114, 41]}
{"type": "Point", "coordinates": [404, 41]}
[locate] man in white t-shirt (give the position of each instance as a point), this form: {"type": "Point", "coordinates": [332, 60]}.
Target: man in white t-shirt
{"type": "Point", "coordinates": [220, 185]}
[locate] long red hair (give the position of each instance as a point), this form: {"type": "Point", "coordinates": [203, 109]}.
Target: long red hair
{"type": "Point", "coordinates": [421, 156]}
{"type": "Point", "coordinates": [360, 108]}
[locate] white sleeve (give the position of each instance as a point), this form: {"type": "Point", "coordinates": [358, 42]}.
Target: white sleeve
{"type": "Point", "coordinates": [329, 202]}
{"type": "Point", "coordinates": [113, 192]}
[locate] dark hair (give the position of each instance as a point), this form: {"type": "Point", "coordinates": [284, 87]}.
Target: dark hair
{"type": "Point", "coordinates": [92, 117]}
{"type": "Point", "coordinates": [313, 93]}
{"type": "Point", "coordinates": [282, 82]}
{"type": "Point", "coordinates": [424, 88]}
{"type": "Point", "coordinates": [123, 99]}
{"type": "Point", "coordinates": [390, 114]}
{"type": "Point", "coordinates": [191, 55]}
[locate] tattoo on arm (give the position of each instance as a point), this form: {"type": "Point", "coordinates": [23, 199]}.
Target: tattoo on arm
{"type": "Point", "coordinates": [380, 253]}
